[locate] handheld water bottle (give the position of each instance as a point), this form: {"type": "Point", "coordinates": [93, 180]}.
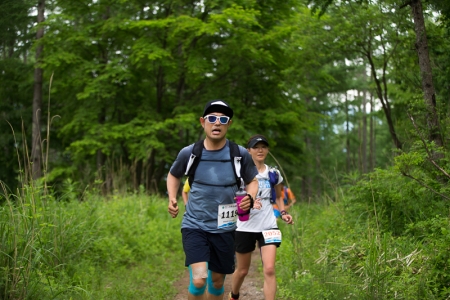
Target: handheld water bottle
{"type": "Point", "coordinates": [240, 194]}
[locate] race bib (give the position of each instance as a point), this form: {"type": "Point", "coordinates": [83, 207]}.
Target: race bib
{"type": "Point", "coordinates": [272, 236]}
{"type": "Point", "coordinates": [227, 216]}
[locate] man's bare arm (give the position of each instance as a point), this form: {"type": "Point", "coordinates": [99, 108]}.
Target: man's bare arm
{"type": "Point", "coordinates": [173, 184]}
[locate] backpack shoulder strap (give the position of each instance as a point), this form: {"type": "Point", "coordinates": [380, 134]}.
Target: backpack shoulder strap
{"type": "Point", "coordinates": [194, 160]}
{"type": "Point", "coordinates": [273, 176]}
{"type": "Point", "coordinates": [236, 159]}
{"type": "Point", "coordinates": [273, 180]}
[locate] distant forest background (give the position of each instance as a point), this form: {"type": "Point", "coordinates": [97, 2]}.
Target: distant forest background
{"type": "Point", "coordinates": [102, 94]}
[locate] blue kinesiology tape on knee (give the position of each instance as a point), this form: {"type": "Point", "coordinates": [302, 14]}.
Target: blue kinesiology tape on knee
{"type": "Point", "coordinates": [193, 290]}
{"type": "Point", "coordinates": [211, 289]}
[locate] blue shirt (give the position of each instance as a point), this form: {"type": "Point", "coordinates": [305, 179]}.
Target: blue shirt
{"type": "Point", "coordinates": [214, 184]}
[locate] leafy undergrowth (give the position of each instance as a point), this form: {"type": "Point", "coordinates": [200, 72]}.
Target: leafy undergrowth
{"type": "Point", "coordinates": [120, 247]}
{"type": "Point", "coordinates": [328, 254]}
{"type": "Point", "coordinates": [128, 247]}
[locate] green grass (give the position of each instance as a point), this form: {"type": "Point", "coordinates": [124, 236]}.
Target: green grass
{"type": "Point", "coordinates": [327, 255]}
{"type": "Point", "coordinates": [120, 247]}
{"type": "Point", "coordinates": [128, 247]}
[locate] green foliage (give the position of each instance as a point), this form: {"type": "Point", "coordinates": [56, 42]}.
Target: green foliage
{"type": "Point", "coordinates": [131, 78]}
{"type": "Point", "coordinates": [70, 249]}
{"type": "Point", "coordinates": [330, 254]}
{"type": "Point", "coordinates": [392, 201]}
{"type": "Point", "coordinates": [434, 236]}
{"type": "Point", "coordinates": [138, 99]}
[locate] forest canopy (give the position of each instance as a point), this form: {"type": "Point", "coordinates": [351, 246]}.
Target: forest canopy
{"type": "Point", "coordinates": [105, 93]}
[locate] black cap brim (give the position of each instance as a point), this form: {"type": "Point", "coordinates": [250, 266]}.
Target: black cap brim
{"type": "Point", "coordinates": [256, 140]}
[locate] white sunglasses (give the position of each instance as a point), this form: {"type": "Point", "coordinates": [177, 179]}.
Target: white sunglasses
{"type": "Point", "coordinates": [213, 119]}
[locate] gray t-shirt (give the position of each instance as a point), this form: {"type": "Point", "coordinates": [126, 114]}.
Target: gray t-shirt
{"type": "Point", "coordinates": [214, 184]}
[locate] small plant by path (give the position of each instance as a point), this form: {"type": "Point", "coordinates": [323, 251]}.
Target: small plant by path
{"type": "Point", "coordinates": [251, 289]}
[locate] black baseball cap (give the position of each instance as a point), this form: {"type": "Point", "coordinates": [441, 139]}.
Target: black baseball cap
{"type": "Point", "coordinates": [257, 139]}
{"type": "Point", "coordinates": [219, 106]}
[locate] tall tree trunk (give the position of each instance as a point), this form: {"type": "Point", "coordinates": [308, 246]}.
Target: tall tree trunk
{"type": "Point", "coordinates": [150, 169]}
{"type": "Point", "coordinates": [319, 183]}
{"type": "Point", "coordinates": [11, 45]}
{"type": "Point", "coordinates": [358, 126]}
{"type": "Point", "coordinates": [347, 134]}
{"type": "Point", "coordinates": [371, 136]}
{"type": "Point", "coordinates": [36, 155]}
{"type": "Point", "coordinates": [381, 90]}
{"type": "Point", "coordinates": [364, 133]}
{"type": "Point", "coordinates": [101, 118]}
{"type": "Point", "coordinates": [25, 51]}
{"type": "Point", "coordinates": [425, 71]}
{"type": "Point", "coordinates": [138, 167]}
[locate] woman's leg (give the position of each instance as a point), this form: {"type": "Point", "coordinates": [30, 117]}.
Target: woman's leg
{"type": "Point", "coordinates": [268, 256]}
{"type": "Point", "coordinates": [243, 261]}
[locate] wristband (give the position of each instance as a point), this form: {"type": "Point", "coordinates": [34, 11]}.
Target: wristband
{"type": "Point", "coordinates": [251, 200]}
{"type": "Point", "coordinates": [283, 212]}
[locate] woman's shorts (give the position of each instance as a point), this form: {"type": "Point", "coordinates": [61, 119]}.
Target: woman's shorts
{"type": "Point", "coordinates": [215, 248]}
{"type": "Point", "coordinates": [246, 241]}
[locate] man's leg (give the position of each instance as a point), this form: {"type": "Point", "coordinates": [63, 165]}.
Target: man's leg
{"type": "Point", "coordinates": [221, 262]}
{"type": "Point", "coordinates": [198, 273]}
{"type": "Point", "coordinates": [215, 285]}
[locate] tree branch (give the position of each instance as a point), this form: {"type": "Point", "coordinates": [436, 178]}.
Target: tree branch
{"type": "Point", "coordinates": [425, 185]}
{"type": "Point", "coordinates": [430, 157]}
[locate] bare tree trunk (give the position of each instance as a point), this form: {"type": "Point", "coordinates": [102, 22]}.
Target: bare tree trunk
{"type": "Point", "coordinates": [11, 45]}
{"type": "Point", "coordinates": [25, 52]}
{"type": "Point", "coordinates": [425, 71]}
{"type": "Point", "coordinates": [381, 90]}
{"type": "Point", "coordinates": [150, 170]}
{"type": "Point", "coordinates": [371, 136]}
{"type": "Point", "coordinates": [101, 118]}
{"type": "Point", "coordinates": [135, 168]}
{"type": "Point", "coordinates": [36, 155]}
{"type": "Point", "coordinates": [319, 183]}
{"type": "Point", "coordinates": [101, 157]}
{"type": "Point", "coordinates": [358, 125]}
{"type": "Point", "coordinates": [347, 131]}
{"type": "Point", "coordinates": [138, 174]}
{"type": "Point", "coordinates": [364, 133]}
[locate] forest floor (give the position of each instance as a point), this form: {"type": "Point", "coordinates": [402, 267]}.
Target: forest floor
{"type": "Point", "coordinates": [251, 289]}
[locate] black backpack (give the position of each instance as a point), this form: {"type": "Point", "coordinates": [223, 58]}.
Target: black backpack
{"type": "Point", "coordinates": [196, 156]}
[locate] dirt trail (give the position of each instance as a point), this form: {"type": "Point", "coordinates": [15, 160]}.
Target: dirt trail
{"type": "Point", "coordinates": [251, 289]}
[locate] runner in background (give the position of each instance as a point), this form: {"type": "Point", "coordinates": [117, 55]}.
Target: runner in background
{"type": "Point", "coordinates": [185, 191]}
{"type": "Point", "coordinates": [288, 197]}
{"type": "Point", "coordinates": [261, 227]}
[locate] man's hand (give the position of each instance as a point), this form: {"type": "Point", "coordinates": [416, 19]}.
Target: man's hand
{"type": "Point", "coordinates": [173, 208]}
